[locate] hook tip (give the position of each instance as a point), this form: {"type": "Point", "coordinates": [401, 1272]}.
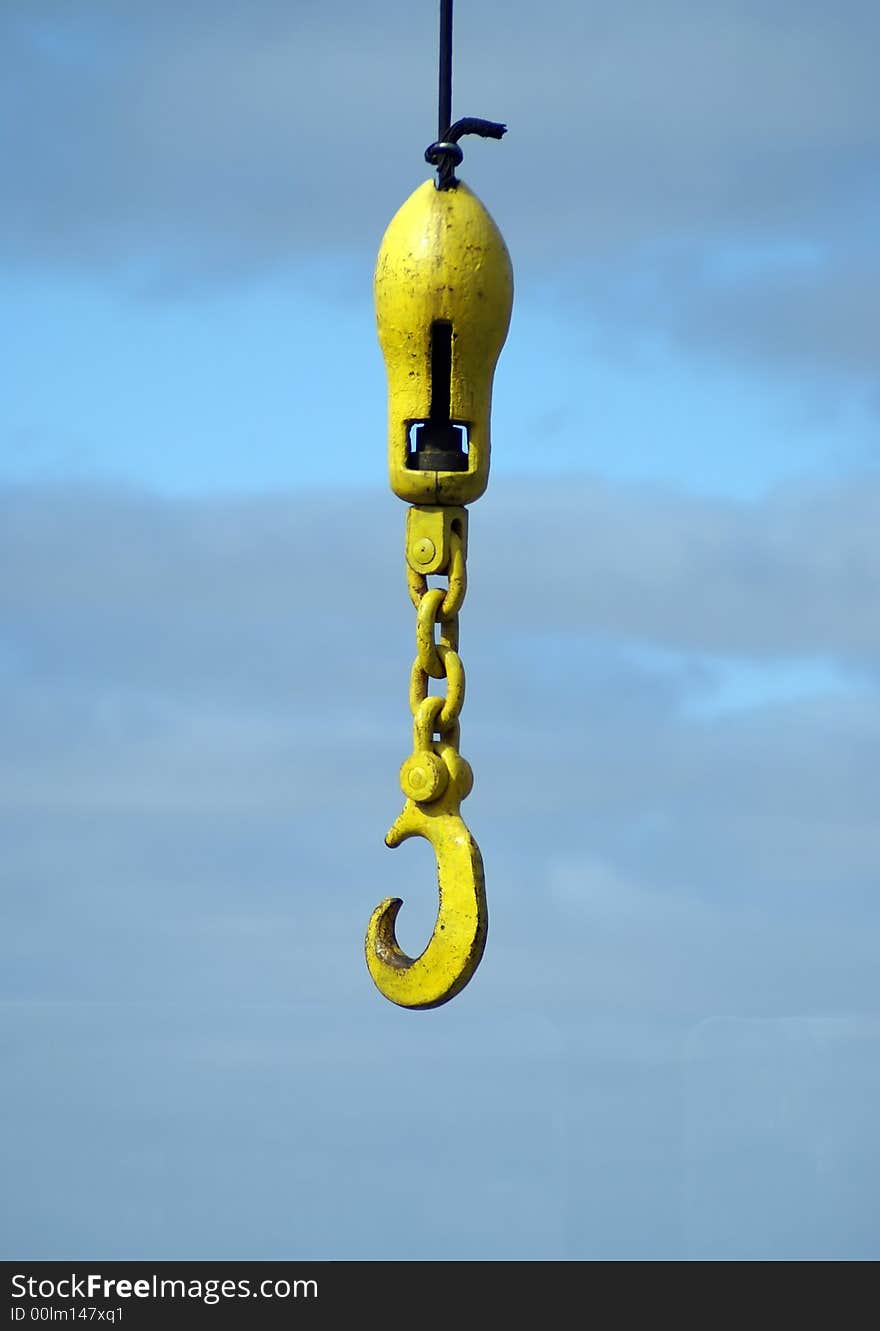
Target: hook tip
{"type": "Point", "coordinates": [381, 940]}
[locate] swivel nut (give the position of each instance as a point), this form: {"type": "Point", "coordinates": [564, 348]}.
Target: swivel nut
{"type": "Point", "coordinates": [424, 551]}
{"type": "Point", "coordinates": [423, 777]}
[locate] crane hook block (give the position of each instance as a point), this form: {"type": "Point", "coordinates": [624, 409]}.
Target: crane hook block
{"type": "Point", "coordinates": [444, 293]}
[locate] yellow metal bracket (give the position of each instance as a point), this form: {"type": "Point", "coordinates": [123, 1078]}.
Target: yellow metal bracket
{"type": "Point", "coordinates": [429, 532]}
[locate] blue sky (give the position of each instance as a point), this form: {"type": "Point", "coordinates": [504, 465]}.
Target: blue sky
{"type": "Point", "coordinates": [671, 1047]}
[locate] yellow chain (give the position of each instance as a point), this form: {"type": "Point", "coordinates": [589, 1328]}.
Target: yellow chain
{"type": "Point", "coordinates": [434, 715]}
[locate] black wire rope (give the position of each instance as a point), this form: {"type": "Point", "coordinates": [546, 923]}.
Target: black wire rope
{"type": "Point", "coordinates": [445, 154]}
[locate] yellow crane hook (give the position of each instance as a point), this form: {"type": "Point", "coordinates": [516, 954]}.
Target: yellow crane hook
{"type": "Point", "coordinates": [456, 944]}
{"type": "Point", "coordinates": [444, 293]}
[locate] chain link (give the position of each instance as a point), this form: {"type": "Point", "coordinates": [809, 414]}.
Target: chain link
{"type": "Point", "coordinates": [437, 609]}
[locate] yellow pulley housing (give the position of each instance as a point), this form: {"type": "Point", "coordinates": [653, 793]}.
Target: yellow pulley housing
{"type": "Point", "coordinates": [443, 293]}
